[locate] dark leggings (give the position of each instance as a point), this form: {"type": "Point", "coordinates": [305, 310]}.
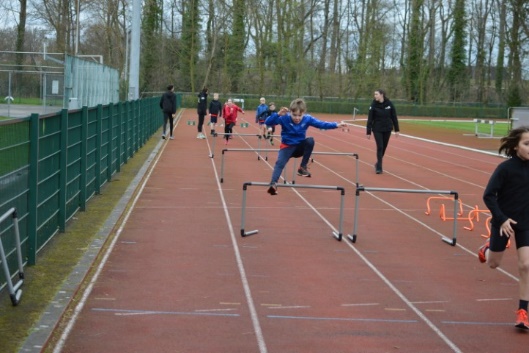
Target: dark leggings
{"type": "Point", "coordinates": [200, 121]}
{"type": "Point", "coordinates": [382, 140]}
{"type": "Point", "coordinates": [228, 129]}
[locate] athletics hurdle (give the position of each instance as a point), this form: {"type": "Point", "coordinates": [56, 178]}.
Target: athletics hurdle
{"type": "Point", "coordinates": [232, 134]}
{"type": "Point", "coordinates": [338, 235]}
{"type": "Point", "coordinates": [477, 122]}
{"type": "Point", "coordinates": [359, 188]}
{"type": "Point", "coordinates": [14, 290]}
{"type": "Point", "coordinates": [284, 170]}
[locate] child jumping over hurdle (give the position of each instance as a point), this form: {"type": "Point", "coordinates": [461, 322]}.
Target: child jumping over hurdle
{"type": "Point", "coordinates": [294, 143]}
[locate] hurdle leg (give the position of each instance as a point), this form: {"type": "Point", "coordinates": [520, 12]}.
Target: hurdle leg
{"type": "Point", "coordinates": [352, 237]}
{"type": "Point", "coordinates": [338, 235]}
{"type": "Point", "coordinates": [243, 220]}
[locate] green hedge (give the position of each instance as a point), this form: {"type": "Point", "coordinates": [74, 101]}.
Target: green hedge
{"type": "Point", "coordinates": [346, 106]}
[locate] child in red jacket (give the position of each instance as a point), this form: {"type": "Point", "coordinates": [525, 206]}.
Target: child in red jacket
{"type": "Point", "coordinates": [229, 112]}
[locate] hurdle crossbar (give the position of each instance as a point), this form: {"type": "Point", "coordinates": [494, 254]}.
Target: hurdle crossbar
{"type": "Point", "coordinates": [15, 291]}
{"type": "Point", "coordinates": [360, 188]}
{"type": "Point", "coordinates": [337, 235]}
{"type": "Point", "coordinates": [212, 155]}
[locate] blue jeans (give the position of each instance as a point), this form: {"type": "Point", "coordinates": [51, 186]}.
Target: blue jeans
{"type": "Point", "coordinates": [303, 149]}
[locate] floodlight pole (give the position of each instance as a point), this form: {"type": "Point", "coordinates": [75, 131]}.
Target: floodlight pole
{"type": "Point", "coordinates": [134, 74]}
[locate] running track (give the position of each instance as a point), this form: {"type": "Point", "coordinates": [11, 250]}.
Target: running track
{"type": "Point", "coordinates": [178, 277]}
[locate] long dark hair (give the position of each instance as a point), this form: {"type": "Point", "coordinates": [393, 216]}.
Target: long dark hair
{"type": "Point", "coordinates": [510, 142]}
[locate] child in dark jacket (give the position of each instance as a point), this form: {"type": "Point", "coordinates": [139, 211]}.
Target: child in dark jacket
{"type": "Point", "coordinates": [215, 112]}
{"type": "Point", "coordinates": [262, 118]}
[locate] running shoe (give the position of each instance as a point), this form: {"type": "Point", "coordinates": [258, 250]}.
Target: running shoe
{"type": "Point", "coordinates": [171, 138]}
{"type": "Point", "coordinates": [272, 190]}
{"type": "Point", "coordinates": [481, 252]}
{"type": "Point", "coordinates": [163, 136]}
{"type": "Point", "coordinates": [521, 319]}
{"type": "Point", "coordinates": [303, 172]}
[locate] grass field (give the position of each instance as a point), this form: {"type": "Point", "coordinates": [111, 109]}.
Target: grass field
{"type": "Point", "coordinates": [499, 129]}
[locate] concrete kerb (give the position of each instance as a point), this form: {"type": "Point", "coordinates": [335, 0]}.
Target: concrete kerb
{"type": "Point", "coordinates": [43, 330]}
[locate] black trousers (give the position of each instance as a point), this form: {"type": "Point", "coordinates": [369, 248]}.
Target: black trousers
{"type": "Point", "coordinates": [382, 141]}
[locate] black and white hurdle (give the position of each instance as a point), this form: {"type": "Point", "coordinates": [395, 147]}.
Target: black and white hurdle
{"type": "Point", "coordinates": [337, 235]}
{"type": "Point", "coordinates": [15, 291]}
{"type": "Point", "coordinates": [360, 188]}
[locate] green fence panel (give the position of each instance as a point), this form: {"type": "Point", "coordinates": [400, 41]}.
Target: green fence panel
{"type": "Point", "coordinates": [52, 165]}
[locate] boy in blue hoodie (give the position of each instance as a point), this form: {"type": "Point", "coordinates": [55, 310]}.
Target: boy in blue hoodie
{"type": "Point", "coordinates": [294, 143]}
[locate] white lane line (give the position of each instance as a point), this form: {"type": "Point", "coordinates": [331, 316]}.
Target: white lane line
{"type": "Point", "coordinates": [62, 340]}
{"type": "Point", "coordinates": [244, 279]}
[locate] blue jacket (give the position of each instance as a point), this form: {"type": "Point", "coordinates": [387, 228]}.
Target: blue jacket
{"type": "Point", "coordinates": [260, 110]}
{"type": "Point", "coordinates": [294, 134]}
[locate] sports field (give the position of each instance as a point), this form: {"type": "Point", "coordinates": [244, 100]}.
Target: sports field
{"type": "Point", "coordinates": [176, 275]}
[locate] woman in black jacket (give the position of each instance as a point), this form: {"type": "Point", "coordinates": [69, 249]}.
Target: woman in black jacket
{"type": "Point", "coordinates": [382, 119]}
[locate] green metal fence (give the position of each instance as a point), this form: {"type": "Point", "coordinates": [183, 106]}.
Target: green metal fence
{"type": "Point", "coordinates": [50, 166]}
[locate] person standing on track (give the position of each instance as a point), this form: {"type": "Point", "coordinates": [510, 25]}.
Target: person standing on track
{"type": "Point", "coordinates": [168, 106]}
{"type": "Point", "coordinates": [230, 118]}
{"type": "Point", "coordinates": [202, 111]}
{"type": "Point", "coordinates": [294, 143]}
{"type": "Point", "coordinates": [507, 198]}
{"type": "Point", "coordinates": [381, 120]}
{"type": "Point", "coordinates": [215, 112]}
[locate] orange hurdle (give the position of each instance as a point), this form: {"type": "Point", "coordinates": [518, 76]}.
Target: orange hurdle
{"type": "Point", "coordinates": [428, 210]}
{"type": "Point", "coordinates": [474, 213]}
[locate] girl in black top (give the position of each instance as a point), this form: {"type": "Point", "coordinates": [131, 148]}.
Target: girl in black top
{"type": "Point", "coordinates": [507, 198]}
{"type": "Point", "coordinates": [382, 119]}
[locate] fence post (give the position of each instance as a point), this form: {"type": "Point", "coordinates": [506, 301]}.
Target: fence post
{"type": "Point", "coordinates": [33, 188]}
{"type": "Point", "coordinates": [63, 177]}
{"type": "Point", "coordinates": [110, 110]}
{"type": "Point", "coordinates": [119, 133]}
{"type": "Point", "coordinates": [84, 162]}
{"type": "Point", "coordinates": [98, 150]}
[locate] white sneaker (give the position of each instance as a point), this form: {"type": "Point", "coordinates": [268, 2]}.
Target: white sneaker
{"type": "Point", "coordinates": [199, 135]}
{"type": "Point", "coordinates": [171, 138]}
{"type": "Point", "coordinates": [163, 136]}
{"type": "Point", "coordinates": [202, 136]}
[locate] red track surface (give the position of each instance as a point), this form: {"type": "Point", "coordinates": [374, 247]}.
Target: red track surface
{"type": "Point", "coordinates": [181, 278]}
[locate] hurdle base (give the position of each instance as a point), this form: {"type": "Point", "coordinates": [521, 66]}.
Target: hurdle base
{"type": "Point", "coordinates": [352, 238]}
{"type": "Point", "coordinates": [449, 241]}
{"type": "Point", "coordinates": [245, 234]}
{"type": "Point", "coordinates": [338, 236]}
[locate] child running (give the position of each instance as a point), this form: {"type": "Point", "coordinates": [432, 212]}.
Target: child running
{"type": "Point", "coordinates": [294, 143]}
{"type": "Point", "coordinates": [507, 198]}
{"type": "Point", "coordinates": [230, 118]}
{"type": "Point", "coordinates": [269, 130]}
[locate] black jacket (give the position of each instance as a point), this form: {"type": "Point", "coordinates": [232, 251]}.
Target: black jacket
{"type": "Point", "coordinates": [202, 107]}
{"type": "Point", "coordinates": [215, 108]}
{"type": "Point", "coordinates": [506, 193]}
{"type": "Point", "coordinates": [168, 102]}
{"type": "Point", "coordinates": [382, 117]}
